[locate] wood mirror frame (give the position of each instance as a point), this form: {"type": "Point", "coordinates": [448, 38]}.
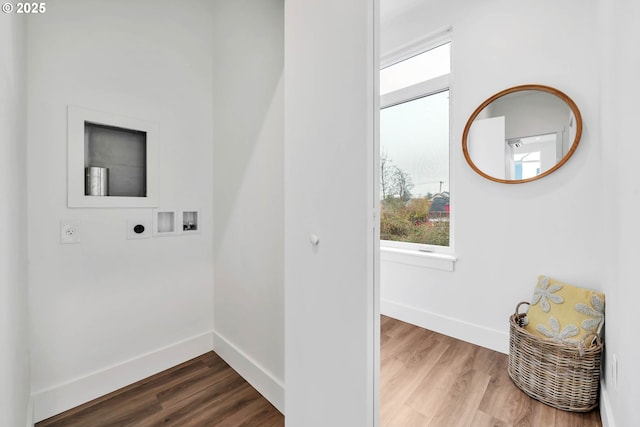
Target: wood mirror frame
{"type": "Point", "coordinates": [527, 87]}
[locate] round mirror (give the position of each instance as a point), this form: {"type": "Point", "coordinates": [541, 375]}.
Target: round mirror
{"type": "Point", "coordinates": [522, 134]}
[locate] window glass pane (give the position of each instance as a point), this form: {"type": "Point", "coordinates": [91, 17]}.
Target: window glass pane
{"type": "Point", "coordinates": [414, 171]}
{"type": "Point", "coordinates": [527, 165]}
{"type": "Point", "coordinates": [428, 65]}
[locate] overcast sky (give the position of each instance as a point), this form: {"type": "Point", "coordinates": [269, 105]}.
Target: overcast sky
{"type": "Point", "coordinates": [415, 136]}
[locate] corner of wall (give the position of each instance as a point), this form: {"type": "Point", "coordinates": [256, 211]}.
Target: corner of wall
{"type": "Point", "coordinates": [30, 421]}
{"type": "Point", "coordinates": [262, 380]}
{"type": "Point", "coordinates": [606, 412]}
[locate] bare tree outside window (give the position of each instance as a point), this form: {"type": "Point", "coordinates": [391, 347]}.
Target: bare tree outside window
{"type": "Point", "coordinates": [414, 171]}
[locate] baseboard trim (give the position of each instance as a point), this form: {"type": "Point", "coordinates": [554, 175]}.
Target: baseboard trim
{"type": "Point", "coordinates": [606, 412]}
{"type": "Point", "coordinates": [456, 328]}
{"type": "Point", "coordinates": [262, 380]}
{"type": "Point", "coordinates": [62, 397]}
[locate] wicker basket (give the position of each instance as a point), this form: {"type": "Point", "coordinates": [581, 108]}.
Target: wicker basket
{"type": "Point", "coordinates": [559, 375]}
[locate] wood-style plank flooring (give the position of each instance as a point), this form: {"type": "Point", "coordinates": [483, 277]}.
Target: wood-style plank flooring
{"type": "Point", "coordinates": [431, 380]}
{"type": "Point", "coordinates": [202, 392]}
{"type": "Point", "coordinates": [427, 380]}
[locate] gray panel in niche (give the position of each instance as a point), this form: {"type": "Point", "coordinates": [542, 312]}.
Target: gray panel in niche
{"type": "Point", "coordinates": [166, 222]}
{"type": "Point", "coordinates": [190, 221]}
{"type": "Point", "coordinates": [123, 151]}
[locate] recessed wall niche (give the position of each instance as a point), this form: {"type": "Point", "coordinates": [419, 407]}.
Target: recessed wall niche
{"type": "Point", "coordinates": [123, 152]}
{"type": "Point", "coordinates": [112, 160]}
{"type": "Point", "coordinates": [190, 221]}
{"type": "Point", "coordinates": [164, 222]}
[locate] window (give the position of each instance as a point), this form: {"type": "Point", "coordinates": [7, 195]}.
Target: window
{"type": "Point", "coordinates": [419, 68]}
{"type": "Point", "coordinates": [414, 152]}
{"type": "Point", "coordinates": [527, 157]}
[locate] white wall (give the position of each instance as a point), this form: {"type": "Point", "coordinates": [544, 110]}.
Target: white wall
{"type": "Point", "coordinates": [14, 356]}
{"type": "Point", "coordinates": [109, 311]}
{"type": "Point", "coordinates": [330, 120]}
{"type": "Point", "coordinates": [619, 91]}
{"type": "Point", "coordinates": [249, 191]}
{"type": "Point", "coordinates": [506, 235]}
{"type": "Point", "coordinates": [485, 144]}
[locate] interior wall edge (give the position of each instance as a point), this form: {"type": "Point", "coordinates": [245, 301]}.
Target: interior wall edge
{"type": "Point", "coordinates": [54, 400]}
{"type": "Point", "coordinates": [453, 327]}
{"type": "Point", "coordinates": [29, 417]}
{"type": "Point", "coordinates": [15, 369]}
{"type": "Point", "coordinates": [606, 412]}
{"type": "Point", "coordinates": [263, 381]}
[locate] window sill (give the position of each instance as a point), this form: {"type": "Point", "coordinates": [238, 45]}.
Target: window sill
{"type": "Point", "coordinates": [436, 261]}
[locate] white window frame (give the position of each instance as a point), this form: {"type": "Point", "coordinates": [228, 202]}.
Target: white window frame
{"type": "Point", "coordinates": [422, 254]}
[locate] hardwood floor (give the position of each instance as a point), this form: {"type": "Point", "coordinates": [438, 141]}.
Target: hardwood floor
{"type": "Point", "coordinates": [431, 380]}
{"type": "Point", "coordinates": [204, 391]}
{"type": "Point", "coordinates": [427, 380]}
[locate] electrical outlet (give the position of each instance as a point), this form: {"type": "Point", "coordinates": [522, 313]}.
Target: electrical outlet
{"type": "Point", "coordinates": [69, 231]}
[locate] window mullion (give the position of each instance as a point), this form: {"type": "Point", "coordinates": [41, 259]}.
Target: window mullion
{"type": "Point", "coordinates": [418, 90]}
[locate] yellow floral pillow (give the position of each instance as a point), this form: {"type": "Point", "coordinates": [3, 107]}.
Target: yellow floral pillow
{"type": "Point", "coordinates": [565, 313]}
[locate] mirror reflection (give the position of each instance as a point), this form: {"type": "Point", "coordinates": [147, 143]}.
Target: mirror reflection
{"type": "Point", "coordinates": [522, 134]}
